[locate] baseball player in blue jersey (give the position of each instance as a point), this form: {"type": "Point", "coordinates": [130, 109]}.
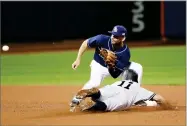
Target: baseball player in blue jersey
{"type": "Point", "coordinates": [100, 69]}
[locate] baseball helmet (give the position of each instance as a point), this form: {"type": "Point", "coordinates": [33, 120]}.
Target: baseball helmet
{"type": "Point", "coordinates": [131, 75]}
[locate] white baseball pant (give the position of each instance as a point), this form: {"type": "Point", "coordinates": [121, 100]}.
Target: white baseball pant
{"type": "Point", "coordinates": [98, 73]}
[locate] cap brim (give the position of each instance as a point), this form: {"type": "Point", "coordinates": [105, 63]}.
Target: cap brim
{"type": "Point", "coordinates": [114, 33]}
{"type": "Point", "coordinates": [110, 32]}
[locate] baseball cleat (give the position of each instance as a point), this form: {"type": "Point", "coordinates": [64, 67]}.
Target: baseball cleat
{"type": "Point", "coordinates": [86, 104]}
{"type": "Point", "coordinates": [86, 92]}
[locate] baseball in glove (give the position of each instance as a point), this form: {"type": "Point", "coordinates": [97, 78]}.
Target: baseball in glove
{"type": "Point", "coordinates": [109, 57]}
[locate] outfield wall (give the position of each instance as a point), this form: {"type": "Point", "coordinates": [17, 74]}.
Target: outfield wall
{"type": "Point", "coordinates": [175, 19]}
{"type": "Point", "coordinates": [56, 21]}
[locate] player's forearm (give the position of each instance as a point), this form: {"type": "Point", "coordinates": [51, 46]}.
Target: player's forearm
{"type": "Point", "coordinates": [120, 65]}
{"type": "Point", "coordinates": [82, 49]}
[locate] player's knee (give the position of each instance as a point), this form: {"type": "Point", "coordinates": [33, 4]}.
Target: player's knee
{"type": "Point", "coordinates": [95, 83]}
{"type": "Point", "coordinates": [91, 84]}
{"type": "Point", "coordinates": [139, 68]}
{"type": "Point", "coordinates": [139, 71]}
{"type": "Point", "coordinates": [136, 67]}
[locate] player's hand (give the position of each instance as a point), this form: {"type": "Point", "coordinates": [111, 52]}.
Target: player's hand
{"type": "Point", "coordinates": [76, 64]}
{"type": "Point", "coordinates": [74, 103]}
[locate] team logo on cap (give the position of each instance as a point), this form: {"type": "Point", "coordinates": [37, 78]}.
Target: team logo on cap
{"type": "Point", "coordinates": [115, 29]}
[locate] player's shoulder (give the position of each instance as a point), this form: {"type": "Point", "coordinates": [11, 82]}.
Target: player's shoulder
{"type": "Point", "coordinates": [103, 37]}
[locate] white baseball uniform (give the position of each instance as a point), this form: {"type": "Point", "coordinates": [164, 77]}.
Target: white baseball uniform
{"type": "Point", "coordinates": [123, 94]}
{"type": "Point", "coordinates": [98, 73]}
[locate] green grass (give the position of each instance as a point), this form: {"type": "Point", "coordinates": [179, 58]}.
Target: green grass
{"type": "Point", "coordinates": [162, 65]}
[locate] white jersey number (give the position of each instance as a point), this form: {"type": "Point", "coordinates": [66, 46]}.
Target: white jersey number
{"type": "Point", "coordinates": [126, 86]}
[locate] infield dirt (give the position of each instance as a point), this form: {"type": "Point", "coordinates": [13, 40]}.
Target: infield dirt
{"type": "Point", "coordinates": [49, 105]}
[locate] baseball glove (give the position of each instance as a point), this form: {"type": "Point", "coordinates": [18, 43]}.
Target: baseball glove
{"type": "Point", "coordinates": [109, 57]}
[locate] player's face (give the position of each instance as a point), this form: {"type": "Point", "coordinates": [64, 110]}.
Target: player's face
{"type": "Point", "coordinates": [116, 40]}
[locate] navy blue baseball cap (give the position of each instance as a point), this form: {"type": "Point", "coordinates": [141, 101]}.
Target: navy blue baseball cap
{"type": "Point", "coordinates": [119, 30]}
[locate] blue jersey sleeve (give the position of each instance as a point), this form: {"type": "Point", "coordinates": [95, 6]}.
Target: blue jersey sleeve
{"type": "Point", "coordinates": [94, 41]}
